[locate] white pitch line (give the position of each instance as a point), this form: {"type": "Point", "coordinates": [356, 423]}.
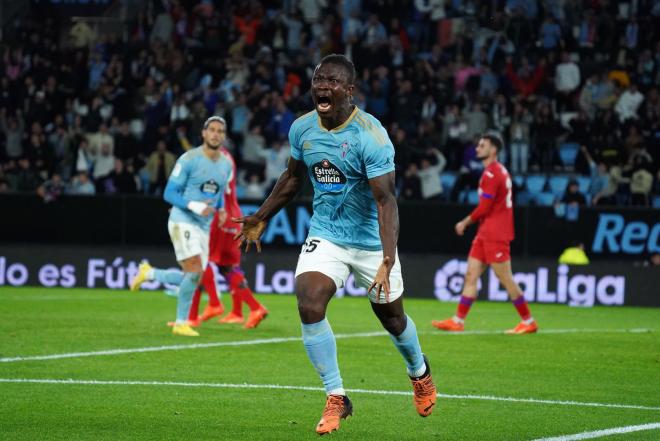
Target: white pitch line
{"type": "Point", "coordinates": [176, 347]}
{"type": "Point", "coordinates": [320, 389]}
{"type": "Point", "coordinates": [120, 351]}
{"type": "Point", "coordinates": [605, 432]}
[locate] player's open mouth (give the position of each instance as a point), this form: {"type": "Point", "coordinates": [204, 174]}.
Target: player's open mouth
{"type": "Point", "coordinates": [323, 104]}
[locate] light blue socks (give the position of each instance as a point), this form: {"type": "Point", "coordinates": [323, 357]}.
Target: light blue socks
{"type": "Point", "coordinates": [321, 349]}
{"type": "Point", "coordinates": [408, 345]}
{"type": "Point", "coordinates": [186, 290]}
{"type": "Point", "coordinates": [172, 277]}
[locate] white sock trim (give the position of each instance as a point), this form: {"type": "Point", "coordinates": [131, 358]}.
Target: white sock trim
{"type": "Point", "coordinates": [339, 391]}
{"type": "Point", "coordinates": [419, 372]}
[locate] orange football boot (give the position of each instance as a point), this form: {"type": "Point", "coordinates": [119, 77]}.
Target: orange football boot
{"type": "Point", "coordinates": [336, 408]}
{"type": "Point", "coordinates": [232, 318]}
{"type": "Point", "coordinates": [524, 328]}
{"type": "Point", "coordinates": [448, 325]}
{"type": "Point", "coordinates": [256, 317]}
{"type": "Point", "coordinates": [424, 391]}
{"type": "Point", "coordinates": [211, 311]}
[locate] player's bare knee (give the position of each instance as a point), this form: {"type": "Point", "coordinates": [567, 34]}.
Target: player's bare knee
{"type": "Point", "coordinates": [311, 310]}
{"type": "Point", "coordinates": [394, 325]}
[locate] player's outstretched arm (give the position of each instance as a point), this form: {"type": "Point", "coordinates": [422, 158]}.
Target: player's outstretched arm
{"type": "Point", "coordinates": [287, 186]}
{"type": "Point", "coordinates": [382, 187]}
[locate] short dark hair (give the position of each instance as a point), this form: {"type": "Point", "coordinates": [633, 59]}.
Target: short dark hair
{"type": "Point", "coordinates": [215, 119]}
{"type": "Point", "coordinates": [343, 61]}
{"type": "Point", "coordinates": [494, 139]}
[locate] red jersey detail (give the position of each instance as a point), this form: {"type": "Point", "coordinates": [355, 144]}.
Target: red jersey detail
{"type": "Point", "coordinates": [495, 210]}
{"type": "Point", "coordinates": [231, 201]}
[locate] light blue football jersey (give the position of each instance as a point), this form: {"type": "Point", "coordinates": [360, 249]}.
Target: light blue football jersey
{"type": "Point", "coordinates": [340, 163]}
{"type": "Point", "coordinates": [202, 180]}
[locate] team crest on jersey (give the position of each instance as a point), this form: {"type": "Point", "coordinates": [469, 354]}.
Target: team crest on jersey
{"type": "Point", "coordinates": [328, 176]}
{"type": "Point", "coordinates": [344, 149]}
{"type": "Point", "coordinates": [209, 187]}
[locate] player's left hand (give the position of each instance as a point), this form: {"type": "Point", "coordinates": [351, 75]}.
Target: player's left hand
{"type": "Point", "coordinates": [382, 280]}
{"type": "Point", "coordinates": [460, 228]}
{"type": "Point", "coordinates": [222, 217]}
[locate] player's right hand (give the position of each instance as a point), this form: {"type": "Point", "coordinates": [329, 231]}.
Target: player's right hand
{"type": "Point", "coordinates": [251, 229]}
{"type": "Point", "coordinates": [460, 228]}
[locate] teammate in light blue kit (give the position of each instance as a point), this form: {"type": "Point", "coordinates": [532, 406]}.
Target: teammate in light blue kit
{"type": "Point", "coordinates": [195, 189]}
{"type": "Point", "coordinates": [350, 161]}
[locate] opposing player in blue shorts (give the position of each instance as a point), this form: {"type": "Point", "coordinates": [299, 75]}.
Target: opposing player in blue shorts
{"type": "Point", "coordinates": [196, 189]}
{"type": "Point", "coordinates": [350, 161]}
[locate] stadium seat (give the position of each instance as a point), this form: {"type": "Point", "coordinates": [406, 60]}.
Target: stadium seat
{"type": "Point", "coordinates": [473, 197]}
{"type": "Point", "coordinates": [558, 185]}
{"type": "Point", "coordinates": [535, 183]}
{"type": "Point", "coordinates": [545, 199]}
{"type": "Point", "coordinates": [519, 181]}
{"type": "Point", "coordinates": [584, 183]}
{"type": "Point", "coordinates": [568, 153]}
{"type": "Point", "coordinates": [448, 179]}
{"type": "Point", "coordinates": [656, 201]}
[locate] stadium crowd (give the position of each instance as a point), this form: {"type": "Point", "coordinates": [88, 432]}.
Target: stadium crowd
{"type": "Point", "coordinates": [572, 86]}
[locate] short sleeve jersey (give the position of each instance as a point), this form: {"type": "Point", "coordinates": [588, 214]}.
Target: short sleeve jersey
{"type": "Point", "coordinates": [202, 180]}
{"type": "Point", "coordinates": [497, 224]}
{"type": "Point", "coordinates": [340, 163]}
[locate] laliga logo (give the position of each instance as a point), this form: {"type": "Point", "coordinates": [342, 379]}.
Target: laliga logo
{"type": "Point", "coordinates": [449, 281]}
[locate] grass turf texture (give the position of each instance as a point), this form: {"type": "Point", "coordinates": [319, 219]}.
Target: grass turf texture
{"type": "Point", "coordinates": [603, 367]}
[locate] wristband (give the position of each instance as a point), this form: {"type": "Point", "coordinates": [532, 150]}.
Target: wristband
{"type": "Point", "coordinates": [197, 207]}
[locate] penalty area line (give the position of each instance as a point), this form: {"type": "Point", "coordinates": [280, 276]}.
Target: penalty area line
{"type": "Point", "coordinates": [604, 432]}
{"type": "Point", "coordinates": [71, 381]}
{"type": "Point", "coordinates": [262, 341]}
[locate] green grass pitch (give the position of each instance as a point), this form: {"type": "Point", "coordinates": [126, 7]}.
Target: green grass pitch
{"type": "Point", "coordinates": [600, 355]}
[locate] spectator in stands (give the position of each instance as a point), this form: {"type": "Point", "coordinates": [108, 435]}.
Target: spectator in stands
{"type": "Point", "coordinates": [254, 187]}
{"type": "Point", "coordinates": [25, 178]}
{"type": "Point", "coordinates": [641, 184]}
{"type": "Point", "coordinates": [411, 184]}
{"type": "Point", "coordinates": [628, 103]}
{"type": "Point", "coordinates": [81, 185]}
{"type": "Point", "coordinates": [205, 59]}
{"type": "Point", "coordinates": [572, 196]}
{"type": "Point", "coordinates": [567, 80]}
{"type": "Point", "coordinates": [122, 179]}
{"type": "Point", "coordinates": [104, 164]}
{"type": "Point", "coordinates": [52, 189]}
{"type": "Point", "coordinates": [158, 168]}
{"type": "Point", "coordinates": [276, 159]}
{"type": "Point", "coordinates": [429, 174]}
{"type": "Point", "coordinates": [13, 128]}
{"type": "Point", "coordinates": [519, 135]}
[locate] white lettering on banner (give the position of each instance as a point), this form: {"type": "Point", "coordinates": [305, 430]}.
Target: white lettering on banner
{"type": "Point", "coordinates": [49, 275]}
{"type": "Point", "coordinates": [114, 275]}
{"type": "Point", "coordinates": [617, 285]}
{"type": "Point", "coordinates": [494, 291]}
{"type": "Point", "coordinates": [579, 290]}
{"type": "Point", "coordinates": [283, 282]}
{"type": "Point", "coordinates": [542, 293]}
{"type": "Point", "coordinates": [68, 276]}
{"type": "Point", "coordinates": [539, 286]}
{"type": "Point", "coordinates": [15, 274]}
{"type": "Point", "coordinates": [448, 281]}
